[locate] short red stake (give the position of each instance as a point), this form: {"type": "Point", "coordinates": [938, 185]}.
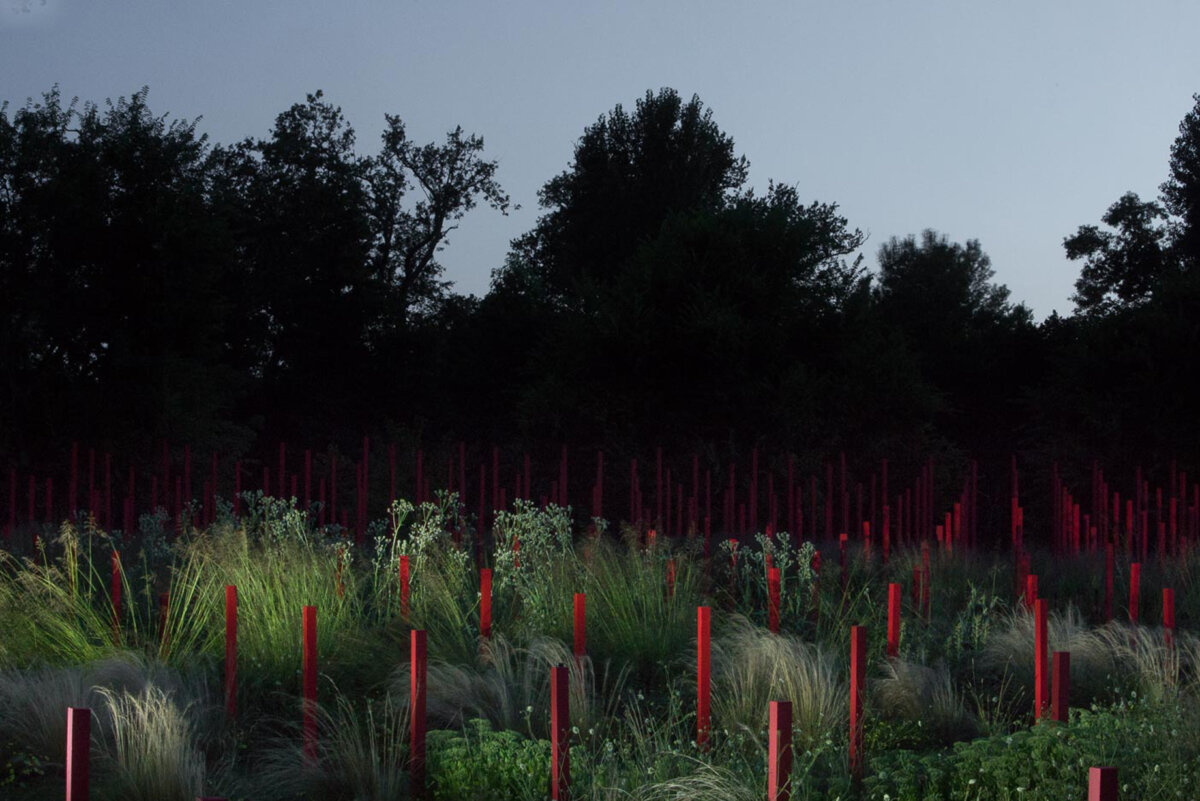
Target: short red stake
{"type": "Point", "coordinates": [1108, 581]}
{"type": "Point", "coordinates": [703, 674]}
{"type": "Point", "coordinates": [416, 743]}
{"type": "Point", "coordinates": [1168, 604]}
{"type": "Point", "coordinates": [893, 625]}
{"type": "Point", "coordinates": [485, 603]}
{"type": "Point", "coordinates": [779, 758]}
{"type": "Point", "coordinates": [79, 744]}
{"type": "Point", "coordinates": [309, 683]}
{"type": "Point", "coordinates": [1060, 687]}
{"type": "Point", "coordinates": [1102, 784]}
{"type": "Point", "coordinates": [116, 597]}
{"type": "Point", "coordinates": [231, 620]}
{"type": "Point", "coordinates": [1040, 653]}
{"type": "Point", "coordinates": [773, 581]}
{"type": "Point", "coordinates": [580, 627]}
{"type": "Point", "coordinates": [1135, 587]}
{"type": "Point", "coordinates": [560, 726]}
{"type": "Point", "coordinates": [1031, 590]}
{"type": "Point", "coordinates": [404, 586]}
{"type": "Point", "coordinates": [858, 683]}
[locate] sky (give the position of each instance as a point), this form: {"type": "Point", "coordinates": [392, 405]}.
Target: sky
{"type": "Point", "coordinates": [1009, 122]}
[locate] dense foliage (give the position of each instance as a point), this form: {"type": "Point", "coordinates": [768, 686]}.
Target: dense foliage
{"type": "Point", "coordinates": [153, 284]}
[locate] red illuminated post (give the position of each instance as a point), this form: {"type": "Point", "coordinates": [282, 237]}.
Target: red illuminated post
{"type": "Point", "coordinates": [703, 674]}
{"type": "Point", "coordinates": [485, 603]}
{"type": "Point", "coordinates": [773, 582]}
{"type": "Point", "coordinates": [1168, 604]}
{"type": "Point", "coordinates": [893, 625]}
{"type": "Point", "coordinates": [1060, 689]}
{"type": "Point", "coordinates": [416, 743]}
{"type": "Point", "coordinates": [580, 644]}
{"type": "Point", "coordinates": [560, 727]}
{"type": "Point", "coordinates": [1040, 654]}
{"type": "Point", "coordinates": [858, 683]}
{"type": "Point", "coordinates": [309, 683]}
{"type": "Point", "coordinates": [116, 597]}
{"type": "Point", "coordinates": [779, 758]}
{"type": "Point", "coordinates": [231, 619]}
{"type": "Point", "coordinates": [1102, 784]}
{"type": "Point", "coordinates": [404, 588]}
{"type": "Point", "coordinates": [79, 744]}
{"type": "Point", "coordinates": [1135, 588]}
{"type": "Point", "coordinates": [1031, 590]}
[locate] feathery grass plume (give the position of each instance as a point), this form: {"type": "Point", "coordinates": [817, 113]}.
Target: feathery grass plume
{"type": "Point", "coordinates": [752, 667]}
{"type": "Point", "coordinates": [362, 753]}
{"type": "Point", "coordinates": [1010, 649]}
{"type": "Point", "coordinates": [1157, 672]}
{"type": "Point", "coordinates": [276, 578]}
{"type": "Point", "coordinates": [706, 781]}
{"type": "Point", "coordinates": [916, 692]}
{"type": "Point", "coordinates": [631, 616]}
{"type": "Point", "coordinates": [510, 688]}
{"type": "Point", "coordinates": [57, 612]}
{"type": "Point", "coordinates": [151, 749]}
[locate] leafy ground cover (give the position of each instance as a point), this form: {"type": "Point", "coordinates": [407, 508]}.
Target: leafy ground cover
{"type": "Point", "coordinates": [949, 718]}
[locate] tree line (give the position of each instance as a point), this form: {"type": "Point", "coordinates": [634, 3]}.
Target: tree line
{"type": "Point", "coordinates": [156, 285]}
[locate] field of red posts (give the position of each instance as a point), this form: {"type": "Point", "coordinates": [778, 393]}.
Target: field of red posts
{"type": "Point", "coordinates": [475, 623]}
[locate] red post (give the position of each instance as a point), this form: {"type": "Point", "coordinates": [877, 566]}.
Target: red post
{"type": "Point", "coordinates": [670, 578]}
{"type": "Point", "coordinates": [485, 603]}
{"type": "Point", "coordinates": [560, 726]}
{"type": "Point", "coordinates": [309, 682]}
{"type": "Point", "coordinates": [773, 581]}
{"type": "Point", "coordinates": [404, 596]}
{"type": "Point", "coordinates": [580, 627]}
{"type": "Point", "coordinates": [858, 684]}
{"type": "Point", "coordinates": [116, 597]}
{"type": "Point", "coordinates": [231, 651]}
{"type": "Point", "coordinates": [1135, 587]}
{"type": "Point", "coordinates": [1031, 590]}
{"type": "Point", "coordinates": [416, 743]}
{"type": "Point", "coordinates": [1109, 560]}
{"type": "Point", "coordinates": [79, 744]}
{"type": "Point", "coordinates": [1060, 687]}
{"type": "Point", "coordinates": [703, 674]}
{"type": "Point", "coordinates": [779, 758]}
{"type": "Point", "coordinates": [1040, 653]}
{"type": "Point", "coordinates": [893, 626]}
{"type": "Point", "coordinates": [1102, 784]}
{"type": "Point", "coordinates": [1168, 604]}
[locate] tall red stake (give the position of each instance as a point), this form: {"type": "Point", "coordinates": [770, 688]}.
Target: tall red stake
{"type": "Point", "coordinates": [779, 755]}
{"type": "Point", "coordinates": [309, 683]}
{"type": "Point", "coordinates": [79, 744]}
{"type": "Point", "coordinates": [893, 629]}
{"type": "Point", "coordinates": [703, 674]}
{"type": "Point", "coordinates": [1041, 690]}
{"type": "Point", "coordinates": [560, 727]}
{"type": "Point", "coordinates": [417, 683]}
{"type": "Point", "coordinates": [231, 621]}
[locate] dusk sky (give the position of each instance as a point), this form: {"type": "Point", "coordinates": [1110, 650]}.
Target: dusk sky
{"type": "Point", "coordinates": [1008, 122]}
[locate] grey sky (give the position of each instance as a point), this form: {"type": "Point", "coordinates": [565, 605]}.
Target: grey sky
{"type": "Point", "coordinates": [1008, 122]}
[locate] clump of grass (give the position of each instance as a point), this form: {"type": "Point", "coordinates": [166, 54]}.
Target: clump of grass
{"type": "Point", "coordinates": [632, 617]}
{"type": "Point", "coordinates": [509, 687]}
{"type": "Point", "coordinates": [152, 751]}
{"type": "Point", "coordinates": [33, 702]}
{"type": "Point", "coordinates": [1010, 651]}
{"type": "Point", "coordinates": [362, 753]}
{"type": "Point", "coordinates": [915, 692]}
{"type": "Point", "coordinates": [752, 667]}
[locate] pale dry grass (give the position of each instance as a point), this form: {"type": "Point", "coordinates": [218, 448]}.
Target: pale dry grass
{"type": "Point", "coordinates": [752, 667]}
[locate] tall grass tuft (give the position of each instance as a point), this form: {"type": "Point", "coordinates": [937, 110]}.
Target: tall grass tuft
{"type": "Point", "coordinates": [915, 692]}
{"type": "Point", "coordinates": [362, 754]}
{"type": "Point", "coordinates": [509, 687]}
{"type": "Point", "coordinates": [152, 750]}
{"type": "Point", "coordinates": [752, 667]}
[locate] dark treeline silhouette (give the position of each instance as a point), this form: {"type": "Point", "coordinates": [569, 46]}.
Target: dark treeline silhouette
{"type": "Point", "coordinates": [157, 286]}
